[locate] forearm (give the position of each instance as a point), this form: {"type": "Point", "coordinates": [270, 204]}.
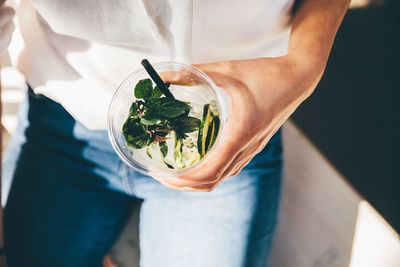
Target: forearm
{"type": "Point", "coordinates": [314, 27]}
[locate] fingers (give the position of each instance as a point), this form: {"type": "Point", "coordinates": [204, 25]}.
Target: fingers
{"type": "Point", "coordinates": [198, 180]}
{"type": "Point", "coordinates": [241, 166]}
{"type": "Point", "coordinates": [207, 172]}
{"type": "Point", "coordinates": [181, 77]}
{"type": "Point", "coordinates": [206, 176]}
{"type": "Point", "coordinates": [234, 168]}
{"type": "Point", "coordinates": [237, 164]}
{"type": "Point", "coordinates": [207, 187]}
{"type": "Point", "coordinates": [226, 67]}
{"type": "Point", "coordinates": [246, 156]}
{"type": "Point", "coordinates": [212, 168]}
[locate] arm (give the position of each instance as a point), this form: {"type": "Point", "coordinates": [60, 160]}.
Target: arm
{"type": "Point", "coordinates": [265, 92]}
{"type": "Point", "coordinates": [314, 28]}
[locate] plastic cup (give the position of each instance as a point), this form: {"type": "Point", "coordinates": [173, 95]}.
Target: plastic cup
{"type": "Point", "coordinates": [200, 89]}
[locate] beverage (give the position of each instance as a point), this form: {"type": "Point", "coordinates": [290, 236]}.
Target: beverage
{"type": "Point", "coordinates": [155, 133]}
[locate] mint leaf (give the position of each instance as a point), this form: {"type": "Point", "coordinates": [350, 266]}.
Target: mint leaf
{"type": "Point", "coordinates": [152, 106]}
{"type": "Point", "coordinates": [172, 108]}
{"type": "Point", "coordinates": [133, 111]}
{"type": "Point", "coordinates": [151, 112]}
{"type": "Point", "coordinates": [148, 121]}
{"type": "Point", "coordinates": [140, 141]}
{"type": "Point", "coordinates": [135, 134]}
{"type": "Point", "coordinates": [163, 149]}
{"type": "Point", "coordinates": [144, 88]}
{"type": "Point", "coordinates": [186, 124]}
{"type": "Point", "coordinates": [167, 107]}
{"type": "Point", "coordinates": [156, 93]}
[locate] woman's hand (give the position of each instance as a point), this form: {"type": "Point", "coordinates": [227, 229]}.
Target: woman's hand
{"type": "Point", "coordinates": [6, 26]}
{"type": "Point", "coordinates": [263, 93]}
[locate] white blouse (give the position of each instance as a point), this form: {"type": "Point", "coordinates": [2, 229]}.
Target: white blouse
{"type": "Point", "coordinates": [78, 51]}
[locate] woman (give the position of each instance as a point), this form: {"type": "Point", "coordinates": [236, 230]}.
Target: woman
{"type": "Point", "coordinates": [71, 195]}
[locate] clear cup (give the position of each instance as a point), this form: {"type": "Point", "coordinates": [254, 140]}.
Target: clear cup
{"type": "Point", "coordinates": [201, 90]}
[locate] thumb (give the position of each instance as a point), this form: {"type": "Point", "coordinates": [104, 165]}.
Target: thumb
{"type": "Point", "coordinates": [187, 77]}
{"type": "Point", "coordinates": [221, 66]}
{"type": "Point", "coordinates": [220, 73]}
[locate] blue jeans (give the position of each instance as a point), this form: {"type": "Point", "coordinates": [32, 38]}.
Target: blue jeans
{"type": "Point", "coordinates": [71, 196]}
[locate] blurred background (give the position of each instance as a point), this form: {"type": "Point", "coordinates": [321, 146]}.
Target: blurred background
{"type": "Point", "coordinates": [341, 203]}
{"type": "Point", "coordinates": [353, 117]}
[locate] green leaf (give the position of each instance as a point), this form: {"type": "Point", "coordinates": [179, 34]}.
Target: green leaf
{"type": "Point", "coordinates": [169, 165]}
{"type": "Point", "coordinates": [163, 149]}
{"type": "Point", "coordinates": [144, 88]}
{"type": "Point", "coordinates": [133, 127]}
{"type": "Point", "coordinates": [180, 135]}
{"type": "Point", "coordinates": [167, 107]}
{"type": "Point", "coordinates": [172, 108]}
{"type": "Point", "coordinates": [135, 134]}
{"type": "Point", "coordinates": [151, 112]}
{"type": "Point", "coordinates": [178, 153]}
{"type": "Point", "coordinates": [133, 111]}
{"type": "Point", "coordinates": [152, 107]}
{"type": "Point", "coordinates": [203, 130]}
{"type": "Point", "coordinates": [160, 129]}
{"type": "Point", "coordinates": [156, 93]}
{"type": "Point", "coordinates": [186, 124]}
{"type": "Point", "coordinates": [148, 121]}
{"type": "Point", "coordinates": [140, 141]}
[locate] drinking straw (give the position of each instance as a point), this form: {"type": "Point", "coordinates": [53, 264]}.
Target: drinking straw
{"type": "Point", "coordinates": [156, 78]}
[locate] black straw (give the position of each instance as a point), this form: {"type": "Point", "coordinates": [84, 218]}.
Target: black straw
{"type": "Point", "coordinates": [157, 79]}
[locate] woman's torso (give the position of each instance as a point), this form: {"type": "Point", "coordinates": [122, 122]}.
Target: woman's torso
{"type": "Point", "coordinates": [77, 52]}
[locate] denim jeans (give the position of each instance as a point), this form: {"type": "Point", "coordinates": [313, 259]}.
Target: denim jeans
{"type": "Point", "coordinates": [71, 196]}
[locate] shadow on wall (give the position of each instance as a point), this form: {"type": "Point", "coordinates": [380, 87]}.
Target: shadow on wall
{"type": "Point", "coordinates": [324, 222]}
{"type": "Point", "coordinates": [353, 115]}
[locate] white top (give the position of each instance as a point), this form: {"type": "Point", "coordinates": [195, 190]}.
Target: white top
{"type": "Point", "coordinates": [78, 51]}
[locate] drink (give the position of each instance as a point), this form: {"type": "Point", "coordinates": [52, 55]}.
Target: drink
{"type": "Point", "coordinates": [154, 133]}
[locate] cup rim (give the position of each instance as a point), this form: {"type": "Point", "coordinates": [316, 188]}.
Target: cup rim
{"type": "Point", "coordinates": [222, 102]}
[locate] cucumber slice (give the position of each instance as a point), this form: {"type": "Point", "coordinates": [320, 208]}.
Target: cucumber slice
{"type": "Point", "coordinates": [214, 132]}
{"type": "Point", "coordinates": [178, 153]}
{"type": "Point", "coordinates": [203, 130]}
{"type": "Point", "coordinates": [200, 134]}
{"type": "Point", "coordinates": [148, 152]}
{"type": "Point", "coordinates": [209, 133]}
